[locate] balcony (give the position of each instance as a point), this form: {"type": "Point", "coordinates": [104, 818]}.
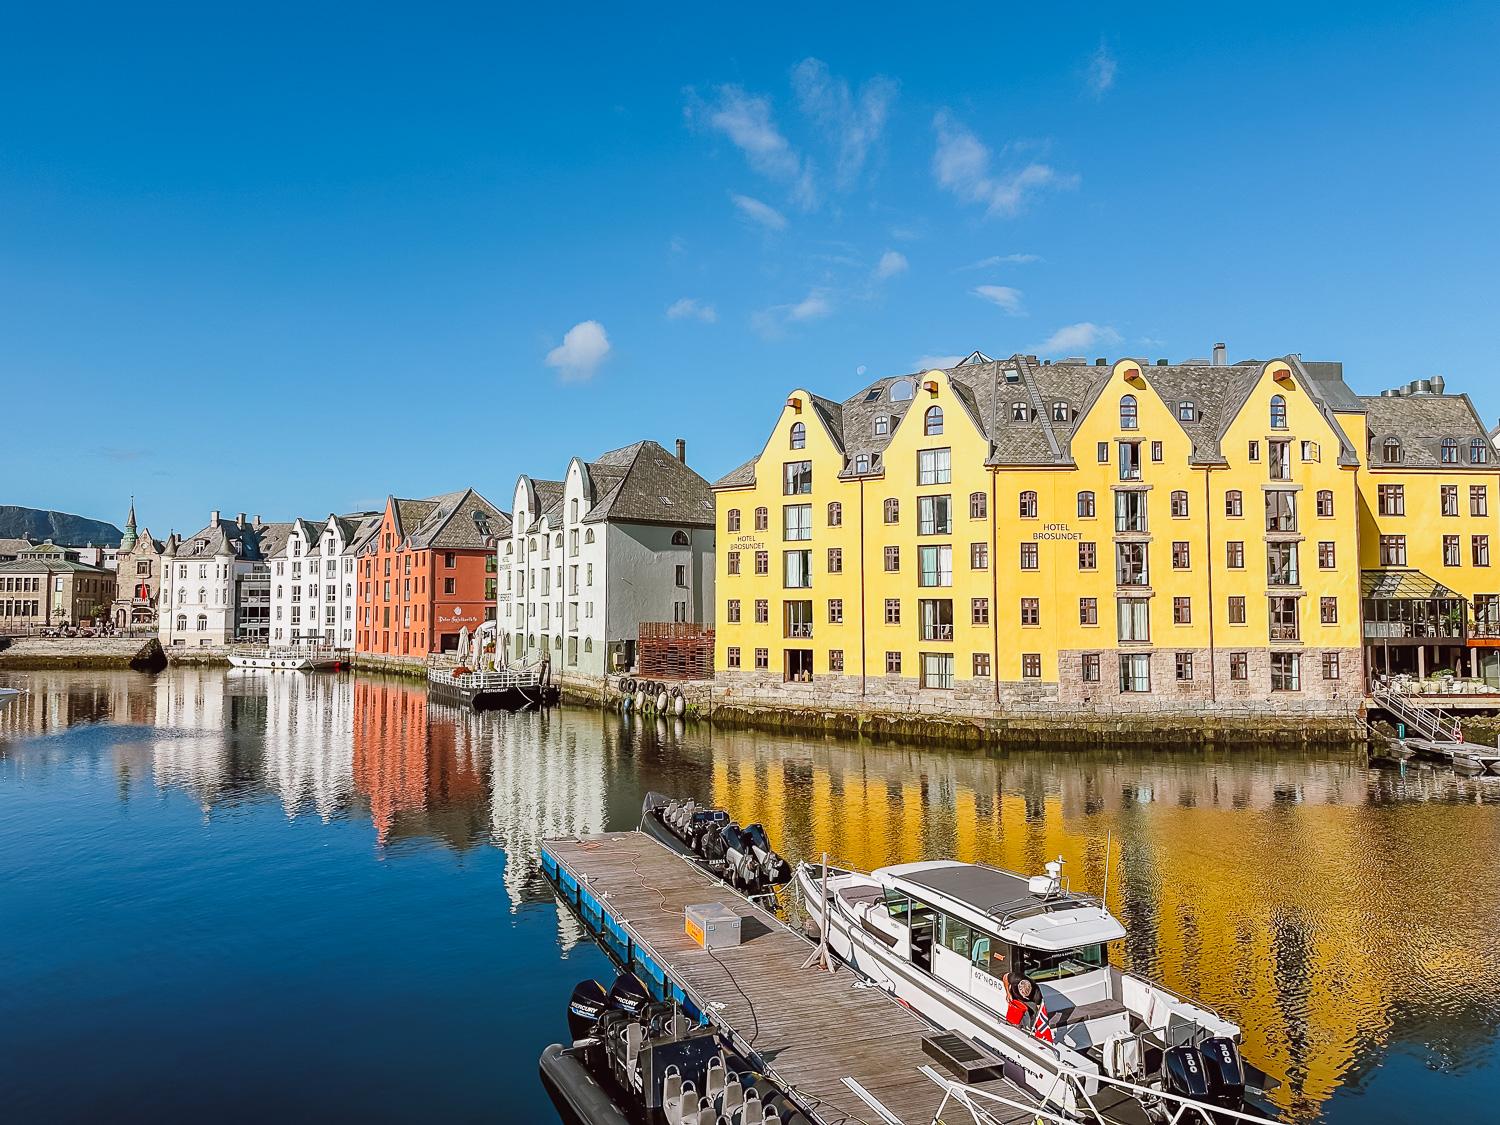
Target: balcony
{"type": "Point", "coordinates": [1285, 631]}
{"type": "Point", "coordinates": [937, 632]}
{"type": "Point", "coordinates": [800, 631]}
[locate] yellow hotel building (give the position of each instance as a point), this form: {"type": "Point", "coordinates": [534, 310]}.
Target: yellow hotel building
{"type": "Point", "coordinates": [1017, 536]}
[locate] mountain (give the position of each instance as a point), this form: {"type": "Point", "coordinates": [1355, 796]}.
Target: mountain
{"type": "Point", "coordinates": [60, 527]}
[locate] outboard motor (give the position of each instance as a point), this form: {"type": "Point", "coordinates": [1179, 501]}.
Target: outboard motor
{"type": "Point", "coordinates": [587, 1004]}
{"type": "Point", "coordinates": [628, 994]}
{"type": "Point", "coordinates": [737, 854]}
{"type": "Point", "coordinates": [705, 825]}
{"type": "Point", "coordinates": [1224, 1071]}
{"type": "Point", "coordinates": [1183, 1073]}
{"type": "Point", "coordinates": [773, 868]}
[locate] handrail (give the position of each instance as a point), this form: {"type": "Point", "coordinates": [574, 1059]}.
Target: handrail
{"type": "Point", "coordinates": [1433, 722]}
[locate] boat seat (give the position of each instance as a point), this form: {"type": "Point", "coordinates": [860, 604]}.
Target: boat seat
{"type": "Point", "coordinates": [1085, 1012]}
{"type": "Point", "coordinates": [860, 893]}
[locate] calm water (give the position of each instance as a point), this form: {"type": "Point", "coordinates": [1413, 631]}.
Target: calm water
{"type": "Point", "coordinates": [237, 896]}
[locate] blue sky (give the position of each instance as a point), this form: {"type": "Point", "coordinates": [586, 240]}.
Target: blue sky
{"type": "Point", "coordinates": [288, 260]}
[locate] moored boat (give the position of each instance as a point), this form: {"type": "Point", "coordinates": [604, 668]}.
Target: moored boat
{"type": "Point", "coordinates": [742, 857]}
{"type": "Point", "coordinates": [1021, 967]}
{"type": "Point", "coordinates": [287, 659]}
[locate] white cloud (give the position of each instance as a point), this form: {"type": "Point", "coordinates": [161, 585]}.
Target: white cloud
{"type": "Point", "coordinates": [1101, 72]}
{"type": "Point", "coordinates": [853, 122]}
{"type": "Point", "coordinates": [772, 322]}
{"type": "Point", "coordinates": [1002, 296]}
{"type": "Point", "coordinates": [581, 352]}
{"type": "Point", "coordinates": [690, 308]}
{"type": "Point", "coordinates": [1002, 260]}
{"type": "Point", "coordinates": [892, 262]}
{"type": "Point", "coordinates": [758, 212]}
{"type": "Point", "coordinates": [935, 362]}
{"type": "Point", "coordinates": [815, 306]}
{"type": "Point", "coordinates": [1078, 337]}
{"type": "Point", "coordinates": [747, 121]}
{"type": "Point", "coordinates": [962, 166]}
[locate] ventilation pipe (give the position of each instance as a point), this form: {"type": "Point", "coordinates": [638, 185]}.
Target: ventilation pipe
{"type": "Point", "coordinates": [1438, 383]}
{"type": "Point", "coordinates": [1220, 358]}
{"type": "Point", "coordinates": [682, 450]}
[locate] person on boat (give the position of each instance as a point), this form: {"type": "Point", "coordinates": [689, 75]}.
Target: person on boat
{"type": "Point", "coordinates": [1022, 997]}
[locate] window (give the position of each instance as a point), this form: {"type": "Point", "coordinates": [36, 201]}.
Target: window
{"type": "Point", "coordinates": [1028, 505]}
{"type": "Point", "coordinates": [1020, 412]}
{"type": "Point", "coordinates": [1181, 555]}
{"type": "Point", "coordinates": [1031, 666]}
{"type": "Point", "coordinates": [1030, 556]}
{"type": "Point", "coordinates": [1281, 564]}
{"type": "Point", "coordinates": [1088, 556]}
{"type": "Point", "coordinates": [1129, 413]}
{"type": "Point", "coordinates": [882, 425]}
{"type": "Point", "coordinates": [893, 611]}
{"type": "Point", "coordinates": [450, 559]}
{"type": "Point", "coordinates": [835, 660]}
{"type": "Point", "coordinates": [1278, 412]}
{"type": "Point", "coordinates": [892, 559]}
{"type": "Point", "coordinates": [934, 466]}
{"type": "Point", "coordinates": [835, 560]}
{"type": "Point", "coordinates": [1449, 451]}
{"type": "Point", "coordinates": [733, 611]}
{"type": "Point", "coordinates": [449, 585]}
{"type": "Point", "coordinates": [1237, 609]}
{"type": "Point", "coordinates": [1280, 466]}
{"type": "Point", "coordinates": [1234, 554]}
{"type": "Point", "coordinates": [1325, 504]}
{"type": "Point", "coordinates": [762, 519]}
{"type": "Point", "coordinates": [1135, 672]}
{"type": "Point", "coordinates": [1179, 505]}
{"type": "Point", "coordinates": [799, 436]}
{"type": "Point", "coordinates": [1328, 611]}
{"type": "Point", "coordinates": [1331, 666]}
{"type": "Point", "coordinates": [1327, 556]}
{"type": "Point", "coordinates": [835, 514]}
{"type": "Point", "coordinates": [734, 562]}
{"type": "Point", "coordinates": [797, 566]}
{"type": "Point", "coordinates": [981, 664]}
{"type": "Point", "coordinates": [762, 659]}
{"type": "Point", "coordinates": [1088, 611]}
{"type": "Point", "coordinates": [979, 556]}
{"type": "Point", "coordinates": [1130, 512]}
{"type": "Point", "coordinates": [1479, 500]}
{"type": "Point", "coordinates": [1286, 671]}
{"type": "Point", "coordinates": [835, 611]}
{"type": "Point", "coordinates": [1393, 550]}
{"type": "Point", "coordinates": [1391, 499]}
{"type": "Point", "coordinates": [798, 621]}
{"type": "Point", "coordinates": [1253, 452]}
{"type": "Point", "coordinates": [937, 670]}
{"type": "Point", "coordinates": [1182, 611]}
{"type": "Point", "coordinates": [862, 463]}
{"type": "Point", "coordinates": [1479, 452]}
{"type": "Point", "coordinates": [935, 566]}
{"type": "Point", "coordinates": [892, 510]}
{"type": "Point", "coordinates": [1234, 503]}
{"type": "Point", "coordinates": [934, 515]}
{"type": "Point", "coordinates": [1448, 499]}
{"type": "Point", "coordinates": [762, 611]}
{"type": "Point", "coordinates": [1391, 451]}
{"type": "Point", "coordinates": [1452, 551]}
{"type": "Point", "coordinates": [1089, 668]}
{"type": "Point", "coordinates": [1184, 666]}
{"type": "Point", "coordinates": [1239, 666]}
{"type": "Point", "coordinates": [1281, 511]}
{"type": "Point", "coordinates": [1134, 616]}
{"type": "Point", "coordinates": [796, 478]}
{"type": "Point", "coordinates": [932, 422]}
{"type": "Point", "coordinates": [892, 663]}
{"type": "Point", "coordinates": [1186, 412]}
{"type": "Point", "coordinates": [762, 562]}
{"type": "Point", "coordinates": [1031, 611]}
{"type": "Point", "coordinates": [1061, 412]}
{"type": "Point", "coordinates": [1103, 453]}
{"type": "Point", "coordinates": [1156, 451]}
{"type": "Point", "coordinates": [1130, 564]}
{"type": "Point", "coordinates": [1311, 452]}
{"type": "Point", "coordinates": [796, 520]}
{"type": "Point", "coordinates": [1284, 622]}
{"type": "Point", "coordinates": [1130, 460]}
{"type": "Point", "coordinates": [1481, 550]}
{"type": "Point", "coordinates": [935, 618]}
{"type": "Point", "coordinates": [1086, 509]}
{"type": "Point", "coordinates": [979, 506]}
{"type": "Point", "coordinates": [979, 611]}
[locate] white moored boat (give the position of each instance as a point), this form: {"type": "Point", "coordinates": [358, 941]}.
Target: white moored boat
{"type": "Point", "coordinates": [291, 659]}
{"type": "Point", "coordinates": [953, 941]}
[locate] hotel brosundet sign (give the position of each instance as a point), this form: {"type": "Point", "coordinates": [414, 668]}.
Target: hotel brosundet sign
{"type": "Point", "coordinates": [1056, 531]}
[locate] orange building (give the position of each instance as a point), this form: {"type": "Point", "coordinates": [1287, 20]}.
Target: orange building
{"type": "Point", "coordinates": [427, 573]}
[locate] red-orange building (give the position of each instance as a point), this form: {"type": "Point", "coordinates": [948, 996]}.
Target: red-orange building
{"type": "Point", "coordinates": [427, 573]}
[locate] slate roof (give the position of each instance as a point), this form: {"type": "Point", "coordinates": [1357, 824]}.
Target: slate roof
{"type": "Point", "coordinates": [51, 565]}
{"type": "Point", "coordinates": [549, 497]}
{"type": "Point", "coordinates": [10, 548]}
{"type": "Point", "coordinates": [462, 520]}
{"type": "Point", "coordinates": [644, 483]}
{"type": "Point", "coordinates": [1421, 422]}
{"type": "Point", "coordinates": [251, 542]}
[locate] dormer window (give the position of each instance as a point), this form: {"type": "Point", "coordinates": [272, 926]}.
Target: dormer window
{"type": "Point", "coordinates": [1060, 412]}
{"type": "Point", "coordinates": [1278, 412]}
{"type": "Point", "coordinates": [1130, 416]}
{"type": "Point", "coordinates": [932, 424]}
{"type": "Point", "coordinates": [882, 425]}
{"type": "Point", "coordinates": [799, 436]}
{"type": "Point", "coordinates": [902, 390]}
{"type": "Point", "coordinates": [1187, 412]}
{"type": "Point", "coordinates": [1449, 453]}
{"type": "Point", "coordinates": [1020, 412]}
{"type": "Point", "coordinates": [862, 463]}
{"type": "Point", "coordinates": [1479, 452]}
{"type": "Point", "coordinates": [1392, 451]}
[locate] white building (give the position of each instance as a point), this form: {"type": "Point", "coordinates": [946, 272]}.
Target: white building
{"type": "Point", "coordinates": [313, 589]}
{"type": "Point", "coordinates": [216, 583]}
{"type": "Point", "coordinates": [625, 538]}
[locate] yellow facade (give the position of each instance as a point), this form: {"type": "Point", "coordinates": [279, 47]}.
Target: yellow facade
{"type": "Point", "coordinates": [1019, 535]}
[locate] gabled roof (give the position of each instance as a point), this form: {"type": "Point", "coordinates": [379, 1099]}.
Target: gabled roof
{"type": "Point", "coordinates": [1421, 422]}
{"type": "Point", "coordinates": [456, 520]}
{"type": "Point", "coordinates": [254, 542]}
{"type": "Point", "coordinates": [643, 483]}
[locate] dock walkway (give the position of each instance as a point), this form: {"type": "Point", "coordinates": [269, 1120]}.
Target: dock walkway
{"type": "Point", "coordinates": [806, 1029]}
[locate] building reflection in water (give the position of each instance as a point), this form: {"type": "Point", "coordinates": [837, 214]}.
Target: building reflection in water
{"type": "Point", "coordinates": [1329, 908]}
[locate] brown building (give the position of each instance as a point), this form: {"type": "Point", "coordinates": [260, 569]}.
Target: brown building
{"type": "Point", "coordinates": [46, 585]}
{"type": "Point", "coordinates": [138, 574]}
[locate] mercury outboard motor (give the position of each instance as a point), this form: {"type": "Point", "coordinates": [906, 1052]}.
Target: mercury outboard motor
{"type": "Point", "coordinates": [585, 1007]}
{"type": "Point", "coordinates": [773, 868]}
{"type": "Point", "coordinates": [737, 854]}
{"type": "Point", "coordinates": [628, 994]}
{"type": "Point", "coordinates": [1183, 1073]}
{"type": "Point", "coordinates": [1224, 1071]}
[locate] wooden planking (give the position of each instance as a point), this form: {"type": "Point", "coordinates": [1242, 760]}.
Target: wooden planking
{"type": "Point", "coordinates": [805, 1028]}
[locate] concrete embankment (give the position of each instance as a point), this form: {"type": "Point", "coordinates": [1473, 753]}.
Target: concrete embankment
{"type": "Point", "coordinates": [37, 654]}
{"type": "Point", "coordinates": [413, 667]}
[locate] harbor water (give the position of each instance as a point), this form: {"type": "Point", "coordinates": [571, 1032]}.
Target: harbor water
{"type": "Point", "coordinates": [252, 896]}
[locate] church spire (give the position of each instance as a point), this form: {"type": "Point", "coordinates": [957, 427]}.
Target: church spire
{"type": "Point", "coordinates": [127, 541]}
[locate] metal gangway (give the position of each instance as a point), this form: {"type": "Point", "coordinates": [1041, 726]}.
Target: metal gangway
{"type": "Point", "coordinates": [1431, 723]}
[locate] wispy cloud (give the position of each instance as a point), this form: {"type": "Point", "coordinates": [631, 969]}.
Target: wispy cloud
{"type": "Point", "coordinates": [1001, 296]}
{"type": "Point", "coordinates": [747, 121]}
{"type": "Point", "coordinates": [125, 456]}
{"type": "Point", "coordinates": [772, 322]}
{"type": "Point", "coordinates": [690, 308]}
{"type": "Point", "coordinates": [1101, 72]}
{"type": "Point", "coordinates": [892, 262]}
{"type": "Point", "coordinates": [815, 306]}
{"type": "Point", "coordinates": [1002, 260]}
{"type": "Point", "coordinates": [583, 349]}
{"type": "Point", "coordinates": [962, 166]}
{"type": "Point", "coordinates": [934, 362]}
{"type": "Point", "coordinates": [1078, 337]}
{"type": "Point", "coordinates": [854, 122]}
{"type": "Point", "coordinates": [757, 212]}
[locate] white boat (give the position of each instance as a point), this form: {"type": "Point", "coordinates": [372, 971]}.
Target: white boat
{"type": "Point", "coordinates": [8, 694]}
{"type": "Point", "coordinates": [953, 940]}
{"type": "Point", "coordinates": [290, 659]}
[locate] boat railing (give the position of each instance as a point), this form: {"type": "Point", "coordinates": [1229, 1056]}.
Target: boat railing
{"type": "Point", "coordinates": [507, 679]}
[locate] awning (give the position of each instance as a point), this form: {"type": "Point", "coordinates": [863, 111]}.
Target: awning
{"type": "Point", "coordinates": [1402, 584]}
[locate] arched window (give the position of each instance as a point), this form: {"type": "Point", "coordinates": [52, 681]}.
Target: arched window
{"type": "Point", "coordinates": [1392, 451]}
{"type": "Point", "coordinates": [588, 644]}
{"type": "Point", "coordinates": [588, 536]}
{"type": "Point", "coordinates": [1278, 412]}
{"type": "Point", "coordinates": [902, 390]}
{"type": "Point", "coordinates": [762, 519]}
{"type": "Point", "coordinates": [1187, 411]}
{"type": "Point", "coordinates": [557, 540]}
{"type": "Point", "coordinates": [1086, 506]}
{"type": "Point", "coordinates": [1129, 413]}
{"type": "Point", "coordinates": [679, 539]}
{"type": "Point", "coordinates": [932, 425]}
{"type": "Point", "coordinates": [734, 519]}
{"type": "Point", "coordinates": [1479, 452]}
{"type": "Point", "coordinates": [799, 436]}
{"type": "Point", "coordinates": [1450, 451]}
{"type": "Point", "coordinates": [1028, 505]}
{"type": "Point", "coordinates": [202, 595]}
{"type": "Point", "coordinates": [202, 623]}
{"type": "Point", "coordinates": [182, 623]}
{"type": "Point", "coordinates": [835, 514]}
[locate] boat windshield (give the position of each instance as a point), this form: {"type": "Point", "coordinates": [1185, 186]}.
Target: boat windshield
{"type": "Point", "coordinates": [1041, 966]}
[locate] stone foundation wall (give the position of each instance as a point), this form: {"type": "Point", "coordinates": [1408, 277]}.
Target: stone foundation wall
{"type": "Point", "coordinates": [413, 666]}
{"type": "Point", "coordinates": [39, 654]}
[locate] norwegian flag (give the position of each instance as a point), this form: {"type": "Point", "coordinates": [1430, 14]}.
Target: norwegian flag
{"type": "Point", "coordinates": [1042, 1027]}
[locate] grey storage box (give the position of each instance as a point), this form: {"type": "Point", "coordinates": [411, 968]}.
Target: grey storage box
{"type": "Point", "coordinates": [713, 925]}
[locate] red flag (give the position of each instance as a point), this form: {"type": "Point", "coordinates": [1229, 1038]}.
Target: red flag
{"type": "Point", "coordinates": [1041, 1028]}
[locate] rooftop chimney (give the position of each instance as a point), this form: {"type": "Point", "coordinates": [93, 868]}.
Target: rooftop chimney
{"type": "Point", "coordinates": [682, 451]}
{"type": "Point", "coordinates": [1219, 357]}
{"type": "Point", "coordinates": [1438, 383]}
{"type": "Point", "coordinates": [213, 517]}
{"type": "Point", "coordinates": [240, 519]}
{"type": "Point", "coordinates": [257, 521]}
{"type": "Point", "coordinates": [1101, 362]}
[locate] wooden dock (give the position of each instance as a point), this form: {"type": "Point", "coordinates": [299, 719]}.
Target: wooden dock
{"type": "Point", "coordinates": [806, 1029]}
